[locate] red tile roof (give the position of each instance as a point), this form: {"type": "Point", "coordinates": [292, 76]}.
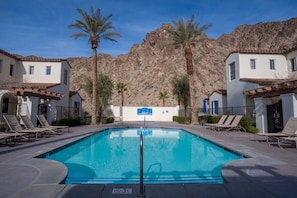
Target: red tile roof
{"type": "Point", "coordinates": [263, 81]}
{"type": "Point", "coordinates": [247, 51]}
{"type": "Point", "coordinates": [33, 89]}
{"type": "Point", "coordinates": [32, 58]}
{"type": "Point", "coordinates": [273, 90]}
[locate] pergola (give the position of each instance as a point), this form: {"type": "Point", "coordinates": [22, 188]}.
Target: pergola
{"type": "Point", "coordinates": [33, 89]}
{"type": "Point", "coordinates": [273, 90]}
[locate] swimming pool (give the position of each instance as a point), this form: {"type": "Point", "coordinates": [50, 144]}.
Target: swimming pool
{"type": "Point", "coordinates": [170, 156]}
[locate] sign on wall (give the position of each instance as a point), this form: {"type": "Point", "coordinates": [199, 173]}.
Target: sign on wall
{"type": "Point", "coordinates": [144, 111]}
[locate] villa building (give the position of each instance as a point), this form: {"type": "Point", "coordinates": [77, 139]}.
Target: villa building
{"type": "Point", "coordinates": [262, 85]}
{"type": "Point", "coordinates": [32, 85]}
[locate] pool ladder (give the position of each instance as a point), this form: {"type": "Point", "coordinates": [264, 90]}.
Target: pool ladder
{"type": "Point", "coordinates": [141, 186]}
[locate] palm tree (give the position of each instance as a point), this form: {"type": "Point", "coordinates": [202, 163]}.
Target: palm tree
{"type": "Point", "coordinates": [95, 27]}
{"type": "Point", "coordinates": [186, 34]}
{"type": "Point", "coordinates": [105, 85]}
{"type": "Point", "coordinates": [163, 96]}
{"type": "Point", "coordinates": [180, 88]}
{"type": "Point", "coordinates": [121, 87]}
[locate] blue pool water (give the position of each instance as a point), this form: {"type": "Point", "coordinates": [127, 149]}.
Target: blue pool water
{"type": "Point", "coordinates": [170, 156]}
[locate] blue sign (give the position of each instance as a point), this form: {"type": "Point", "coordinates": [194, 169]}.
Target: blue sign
{"type": "Point", "coordinates": [144, 111]}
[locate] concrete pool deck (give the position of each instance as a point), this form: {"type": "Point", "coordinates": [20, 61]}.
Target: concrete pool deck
{"type": "Point", "coordinates": [269, 171]}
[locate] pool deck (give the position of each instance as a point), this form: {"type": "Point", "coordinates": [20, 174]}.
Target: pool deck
{"type": "Point", "coordinates": [269, 171]}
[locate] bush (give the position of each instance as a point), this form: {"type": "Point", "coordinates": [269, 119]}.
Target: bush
{"type": "Point", "coordinates": [247, 124]}
{"type": "Point", "coordinates": [85, 120]}
{"type": "Point", "coordinates": [181, 119]}
{"type": "Point", "coordinates": [208, 119]}
{"type": "Point", "coordinates": [105, 120]}
{"type": "Point", "coordinates": [68, 122]}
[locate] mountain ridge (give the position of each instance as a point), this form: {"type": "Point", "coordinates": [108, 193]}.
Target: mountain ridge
{"type": "Point", "coordinates": [148, 67]}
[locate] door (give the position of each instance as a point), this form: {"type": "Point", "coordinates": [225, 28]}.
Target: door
{"type": "Point", "coordinates": [275, 117]}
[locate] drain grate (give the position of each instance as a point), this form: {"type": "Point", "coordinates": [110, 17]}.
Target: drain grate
{"type": "Point", "coordinates": [122, 191]}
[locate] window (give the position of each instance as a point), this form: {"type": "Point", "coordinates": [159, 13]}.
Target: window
{"type": "Point", "coordinates": [272, 64]}
{"type": "Point", "coordinates": [0, 66]}
{"type": "Point", "coordinates": [232, 71]}
{"type": "Point", "coordinates": [253, 63]}
{"type": "Point", "coordinates": [65, 76]}
{"type": "Point", "coordinates": [293, 64]}
{"type": "Point", "coordinates": [31, 70]}
{"type": "Point", "coordinates": [48, 70]}
{"type": "Point", "coordinates": [215, 107]}
{"type": "Point", "coordinates": [11, 70]}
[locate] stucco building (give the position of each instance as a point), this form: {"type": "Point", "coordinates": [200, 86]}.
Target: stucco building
{"type": "Point", "coordinates": [262, 85]}
{"type": "Point", "coordinates": [35, 85]}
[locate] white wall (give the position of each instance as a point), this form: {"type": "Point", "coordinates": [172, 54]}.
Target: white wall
{"type": "Point", "coordinates": [289, 56]}
{"type": "Point", "coordinates": [235, 87]}
{"type": "Point", "coordinates": [261, 113]}
{"type": "Point", "coordinates": [263, 66]}
{"type": "Point", "coordinates": [39, 75]}
{"type": "Point", "coordinates": [62, 88]}
{"type": "Point", "coordinates": [222, 101]}
{"type": "Point", "coordinates": [289, 103]}
{"type": "Point", "coordinates": [6, 61]}
{"type": "Point", "coordinates": [158, 113]}
{"type": "Point", "coordinates": [30, 107]}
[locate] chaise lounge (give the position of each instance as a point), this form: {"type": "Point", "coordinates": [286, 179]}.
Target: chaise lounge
{"type": "Point", "coordinates": [14, 126]}
{"type": "Point", "coordinates": [29, 125]}
{"type": "Point", "coordinates": [43, 122]}
{"type": "Point", "coordinates": [221, 121]}
{"type": "Point", "coordinates": [234, 125]}
{"type": "Point", "coordinates": [226, 123]}
{"type": "Point", "coordinates": [290, 130]}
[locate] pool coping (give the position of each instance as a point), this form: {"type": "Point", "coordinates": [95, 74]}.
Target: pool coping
{"type": "Point", "coordinates": [21, 159]}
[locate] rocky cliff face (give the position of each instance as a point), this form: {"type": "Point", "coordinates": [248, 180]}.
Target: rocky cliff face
{"type": "Point", "coordinates": [148, 68]}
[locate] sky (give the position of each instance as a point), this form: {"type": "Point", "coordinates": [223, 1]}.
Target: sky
{"type": "Point", "coordinates": [41, 27]}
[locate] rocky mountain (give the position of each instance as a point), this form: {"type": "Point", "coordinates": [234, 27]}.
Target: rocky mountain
{"type": "Point", "coordinates": [148, 68]}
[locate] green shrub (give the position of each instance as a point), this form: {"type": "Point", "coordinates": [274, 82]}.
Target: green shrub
{"type": "Point", "coordinates": [247, 124]}
{"type": "Point", "coordinates": [181, 119]}
{"type": "Point", "coordinates": [68, 122]}
{"type": "Point", "coordinates": [105, 120]}
{"type": "Point", "coordinates": [208, 119]}
{"type": "Point", "coordinates": [85, 120]}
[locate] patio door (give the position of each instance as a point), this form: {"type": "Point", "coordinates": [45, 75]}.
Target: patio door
{"type": "Point", "coordinates": [275, 117]}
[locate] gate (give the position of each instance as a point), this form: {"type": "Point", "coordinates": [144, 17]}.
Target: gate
{"type": "Point", "coordinates": [275, 117]}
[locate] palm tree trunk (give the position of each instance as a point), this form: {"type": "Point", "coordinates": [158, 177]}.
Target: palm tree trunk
{"type": "Point", "coordinates": [94, 90]}
{"type": "Point", "coordinates": [122, 94]}
{"type": "Point", "coordinates": [190, 72]}
{"type": "Point", "coordinates": [194, 118]}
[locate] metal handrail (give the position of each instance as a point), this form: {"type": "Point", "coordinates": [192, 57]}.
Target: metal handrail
{"type": "Point", "coordinates": [141, 187]}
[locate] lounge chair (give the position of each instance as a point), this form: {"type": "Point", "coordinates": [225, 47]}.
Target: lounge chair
{"type": "Point", "coordinates": [287, 139]}
{"type": "Point", "coordinates": [43, 122]}
{"type": "Point", "coordinates": [29, 125]}
{"type": "Point", "coordinates": [234, 125]}
{"type": "Point", "coordinates": [14, 126]}
{"type": "Point", "coordinates": [226, 123]}
{"type": "Point", "coordinates": [221, 121]}
{"type": "Point", "coordinates": [290, 130]}
{"type": "Point", "coordinates": [8, 138]}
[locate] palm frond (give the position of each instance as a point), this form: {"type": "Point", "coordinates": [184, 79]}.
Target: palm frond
{"type": "Point", "coordinates": [186, 32]}
{"type": "Point", "coordinates": [94, 26]}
